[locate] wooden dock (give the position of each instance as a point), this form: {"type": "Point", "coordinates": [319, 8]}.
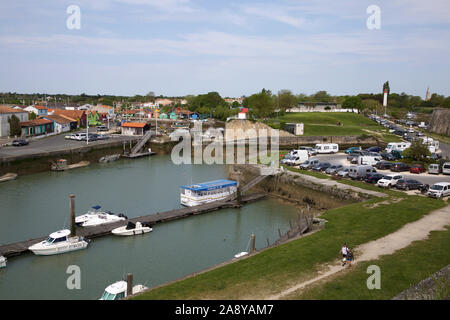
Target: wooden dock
{"type": "Point", "coordinates": [18, 248]}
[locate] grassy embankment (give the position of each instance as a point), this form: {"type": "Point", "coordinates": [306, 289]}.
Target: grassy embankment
{"type": "Point", "coordinates": [275, 269]}
{"type": "Point", "coordinates": [325, 124]}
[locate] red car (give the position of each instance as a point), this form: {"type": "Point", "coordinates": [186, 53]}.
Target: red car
{"type": "Point", "coordinates": [417, 168]}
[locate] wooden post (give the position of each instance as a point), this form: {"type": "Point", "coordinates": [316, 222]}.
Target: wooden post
{"type": "Point", "coordinates": [129, 284]}
{"type": "Point", "coordinates": [268, 243]}
{"type": "Point", "coordinates": [72, 215]}
{"type": "Point", "coordinates": [252, 244]}
{"type": "Point", "coordinates": [279, 232]}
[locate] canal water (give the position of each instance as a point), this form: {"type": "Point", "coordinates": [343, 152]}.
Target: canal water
{"type": "Point", "coordinates": [38, 204]}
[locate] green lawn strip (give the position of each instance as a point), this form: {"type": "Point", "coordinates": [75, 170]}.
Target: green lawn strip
{"type": "Point", "coordinates": [399, 271]}
{"type": "Point", "coordinates": [275, 268]}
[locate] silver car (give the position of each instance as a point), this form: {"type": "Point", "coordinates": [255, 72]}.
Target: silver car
{"type": "Point", "coordinates": [334, 169]}
{"type": "Point", "coordinates": [343, 172]}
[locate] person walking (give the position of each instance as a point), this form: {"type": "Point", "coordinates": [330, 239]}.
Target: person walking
{"type": "Point", "coordinates": [349, 257]}
{"type": "Point", "coordinates": [344, 251]}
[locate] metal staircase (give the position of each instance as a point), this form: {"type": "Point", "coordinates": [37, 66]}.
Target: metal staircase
{"type": "Point", "coordinates": [141, 143]}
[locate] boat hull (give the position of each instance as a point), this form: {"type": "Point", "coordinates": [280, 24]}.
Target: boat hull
{"type": "Point", "coordinates": [123, 232]}
{"type": "Point", "coordinates": [2, 262]}
{"type": "Point", "coordinates": [49, 251]}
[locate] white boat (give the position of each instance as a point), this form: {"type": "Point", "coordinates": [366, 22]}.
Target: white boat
{"type": "Point", "coordinates": [132, 229]}
{"type": "Point", "coordinates": [196, 194]}
{"type": "Point", "coordinates": [59, 242]}
{"type": "Point", "coordinates": [118, 290]}
{"type": "Point", "coordinates": [97, 217]}
{"type": "Point", "coordinates": [2, 262]}
{"type": "Point", "coordinates": [241, 254]}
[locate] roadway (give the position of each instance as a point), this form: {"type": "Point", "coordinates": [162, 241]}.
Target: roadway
{"type": "Point", "coordinates": [341, 158]}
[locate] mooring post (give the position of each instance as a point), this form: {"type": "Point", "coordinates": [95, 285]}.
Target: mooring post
{"type": "Point", "coordinates": [252, 244]}
{"type": "Point", "coordinates": [72, 215]}
{"type": "Point", "coordinates": [279, 232]}
{"type": "Point", "coordinates": [129, 284]}
{"type": "Point", "coordinates": [268, 243]}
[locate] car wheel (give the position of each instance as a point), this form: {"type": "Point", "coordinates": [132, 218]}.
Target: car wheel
{"type": "Point", "coordinates": [407, 188]}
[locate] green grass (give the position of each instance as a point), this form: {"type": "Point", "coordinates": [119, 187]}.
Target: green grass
{"type": "Point", "coordinates": [399, 271]}
{"type": "Point", "coordinates": [276, 268]}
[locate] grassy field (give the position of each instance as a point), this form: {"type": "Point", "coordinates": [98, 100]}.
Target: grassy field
{"type": "Point", "coordinates": [399, 271]}
{"type": "Point", "coordinates": [325, 124]}
{"type": "Point", "coordinates": [274, 269]}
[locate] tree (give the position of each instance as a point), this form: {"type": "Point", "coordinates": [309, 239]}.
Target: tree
{"type": "Point", "coordinates": [31, 116]}
{"type": "Point", "coordinates": [417, 152]}
{"type": "Point", "coordinates": [286, 100]}
{"type": "Point", "coordinates": [14, 126]}
{"type": "Point", "coordinates": [321, 96]}
{"type": "Point", "coordinates": [262, 104]}
{"type": "Point", "coordinates": [354, 102]}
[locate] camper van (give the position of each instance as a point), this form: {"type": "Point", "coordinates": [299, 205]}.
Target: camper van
{"type": "Point", "coordinates": [368, 160]}
{"type": "Point", "coordinates": [360, 172]}
{"type": "Point", "coordinates": [399, 146]}
{"type": "Point", "coordinates": [327, 148]}
{"type": "Point", "coordinates": [434, 168]}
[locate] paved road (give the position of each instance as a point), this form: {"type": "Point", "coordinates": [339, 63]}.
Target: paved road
{"type": "Point", "coordinates": [54, 143]}
{"type": "Point", "coordinates": [430, 179]}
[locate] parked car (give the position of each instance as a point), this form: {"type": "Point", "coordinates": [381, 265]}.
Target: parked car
{"type": "Point", "coordinates": [439, 190]}
{"type": "Point", "coordinates": [417, 168]}
{"type": "Point", "coordinates": [102, 137]}
{"type": "Point", "coordinates": [334, 168]}
{"type": "Point", "coordinates": [446, 168]}
{"type": "Point", "coordinates": [374, 149]}
{"type": "Point", "coordinates": [79, 136]}
{"type": "Point", "coordinates": [360, 172]}
{"type": "Point", "coordinates": [400, 166]}
{"type": "Point", "coordinates": [102, 128]}
{"type": "Point", "coordinates": [408, 184]}
{"type": "Point", "coordinates": [343, 172]}
{"type": "Point", "coordinates": [383, 165]}
{"type": "Point", "coordinates": [352, 149]}
{"type": "Point", "coordinates": [308, 164]}
{"type": "Point", "coordinates": [389, 180]}
{"type": "Point", "coordinates": [322, 166]}
{"type": "Point", "coordinates": [286, 159]}
{"type": "Point", "coordinates": [373, 177]}
{"type": "Point", "coordinates": [434, 168]}
{"type": "Point", "coordinates": [19, 142]}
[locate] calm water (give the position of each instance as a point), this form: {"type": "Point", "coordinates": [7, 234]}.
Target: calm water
{"type": "Point", "coordinates": [37, 205]}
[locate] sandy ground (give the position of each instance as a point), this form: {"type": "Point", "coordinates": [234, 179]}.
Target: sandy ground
{"type": "Point", "coordinates": [414, 231]}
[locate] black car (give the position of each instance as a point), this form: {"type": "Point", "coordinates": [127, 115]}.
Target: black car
{"type": "Point", "coordinates": [408, 184]}
{"type": "Point", "coordinates": [373, 177]}
{"type": "Point", "coordinates": [400, 166]}
{"type": "Point", "coordinates": [383, 165]}
{"type": "Point", "coordinates": [322, 166]}
{"type": "Point", "coordinates": [390, 156]}
{"type": "Point", "coordinates": [374, 149]}
{"type": "Point", "coordinates": [20, 142]}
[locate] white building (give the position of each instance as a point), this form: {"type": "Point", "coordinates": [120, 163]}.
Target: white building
{"type": "Point", "coordinates": [5, 114]}
{"type": "Point", "coordinates": [60, 124]}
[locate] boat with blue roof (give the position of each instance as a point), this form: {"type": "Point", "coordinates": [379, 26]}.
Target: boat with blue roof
{"type": "Point", "coordinates": [205, 192]}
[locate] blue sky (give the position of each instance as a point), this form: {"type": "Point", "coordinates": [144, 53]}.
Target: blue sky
{"type": "Point", "coordinates": [179, 47]}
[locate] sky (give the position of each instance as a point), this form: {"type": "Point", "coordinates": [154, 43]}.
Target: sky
{"type": "Point", "coordinates": [234, 47]}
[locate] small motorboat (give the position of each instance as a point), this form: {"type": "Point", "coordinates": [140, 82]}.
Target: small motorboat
{"type": "Point", "coordinates": [132, 229]}
{"type": "Point", "coordinates": [118, 290]}
{"type": "Point", "coordinates": [61, 165]}
{"type": "Point", "coordinates": [97, 217]}
{"type": "Point", "coordinates": [59, 242]}
{"type": "Point", "coordinates": [109, 158]}
{"type": "Point", "coordinates": [2, 262]}
{"type": "Point", "coordinates": [8, 177]}
{"type": "Point", "coordinates": [241, 254]}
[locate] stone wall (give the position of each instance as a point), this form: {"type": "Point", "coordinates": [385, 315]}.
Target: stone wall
{"type": "Point", "coordinates": [440, 121]}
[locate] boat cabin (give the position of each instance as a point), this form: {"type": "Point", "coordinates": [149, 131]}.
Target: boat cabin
{"type": "Point", "coordinates": [115, 291]}
{"type": "Point", "coordinates": [58, 236]}
{"type": "Point", "coordinates": [205, 192]}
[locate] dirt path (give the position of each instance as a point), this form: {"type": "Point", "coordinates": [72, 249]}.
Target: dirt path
{"type": "Point", "coordinates": [414, 231]}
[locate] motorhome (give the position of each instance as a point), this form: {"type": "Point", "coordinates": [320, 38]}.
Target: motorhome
{"type": "Point", "coordinates": [360, 172]}
{"type": "Point", "coordinates": [368, 160]}
{"type": "Point", "coordinates": [398, 146]}
{"type": "Point", "coordinates": [327, 148]}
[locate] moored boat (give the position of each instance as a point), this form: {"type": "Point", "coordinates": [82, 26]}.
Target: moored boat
{"type": "Point", "coordinates": [2, 262]}
{"type": "Point", "coordinates": [196, 194]}
{"type": "Point", "coordinates": [8, 177]}
{"type": "Point", "coordinates": [98, 217]}
{"type": "Point", "coordinates": [132, 229]}
{"type": "Point", "coordinates": [59, 242]}
{"type": "Point", "coordinates": [118, 290]}
{"type": "Point", "coordinates": [109, 158]}
{"type": "Point", "coordinates": [61, 165]}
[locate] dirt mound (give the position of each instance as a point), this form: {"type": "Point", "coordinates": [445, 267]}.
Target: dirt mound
{"type": "Point", "coordinates": [245, 129]}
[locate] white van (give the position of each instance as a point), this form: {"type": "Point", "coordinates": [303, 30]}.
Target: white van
{"type": "Point", "coordinates": [327, 148]}
{"type": "Point", "coordinates": [368, 160]}
{"type": "Point", "coordinates": [434, 168]}
{"type": "Point", "coordinates": [446, 168]}
{"type": "Point", "coordinates": [297, 157]}
{"type": "Point", "coordinates": [439, 190]}
{"type": "Point", "coordinates": [399, 146]}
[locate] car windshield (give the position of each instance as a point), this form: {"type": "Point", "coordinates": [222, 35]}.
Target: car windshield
{"type": "Point", "coordinates": [435, 187]}
{"type": "Point", "coordinates": [387, 178]}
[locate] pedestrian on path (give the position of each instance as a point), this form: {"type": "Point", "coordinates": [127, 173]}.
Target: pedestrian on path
{"type": "Point", "coordinates": [344, 251]}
